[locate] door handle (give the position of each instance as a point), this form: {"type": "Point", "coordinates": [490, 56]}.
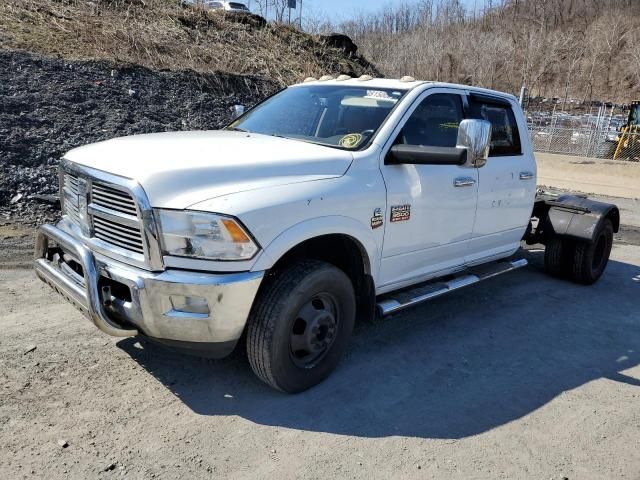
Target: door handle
{"type": "Point", "coordinates": [526, 175]}
{"type": "Point", "coordinates": [464, 182]}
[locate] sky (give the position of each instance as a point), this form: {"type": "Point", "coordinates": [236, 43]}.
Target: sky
{"type": "Point", "coordinates": [340, 10]}
{"type": "Point", "coordinates": [347, 7]}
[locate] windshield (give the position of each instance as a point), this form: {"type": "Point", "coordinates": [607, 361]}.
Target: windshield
{"type": "Point", "coordinates": [335, 116]}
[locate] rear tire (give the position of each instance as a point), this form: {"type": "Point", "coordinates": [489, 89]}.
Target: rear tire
{"type": "Point", "coordinates": [300, 325]}
{"type": "Point", "coordinates": [558, 255]}
{"type": "Point", "coordinates": [590, 258]}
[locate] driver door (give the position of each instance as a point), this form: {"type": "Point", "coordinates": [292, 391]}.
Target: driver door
{"type": "Point", "coordinates": [430, 208]}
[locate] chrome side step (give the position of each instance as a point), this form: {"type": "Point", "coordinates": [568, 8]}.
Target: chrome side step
{"type": "Point", "coordinates": [394, 302]}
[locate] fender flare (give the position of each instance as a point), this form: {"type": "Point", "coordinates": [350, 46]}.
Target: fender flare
{"type": "Point", "coordinates": [317, 227]}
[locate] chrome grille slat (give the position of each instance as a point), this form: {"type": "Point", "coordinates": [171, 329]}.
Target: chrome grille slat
{"type": "Point", "coordinates": [119, 241]}
{"type": "Point", "coordinates": [113, 199]}
{"type": "Point", "coordinates": [105, 197]}
{"type": "Point", "coordinates": [110, 230]}
{"type": "Point", "coordinates": [116, 227]}
{"type": "Point", "coordinates": [113, 207]}
{"type": "Point", "coordinates": [112, 192]}
{"type": "Point", "coordinates": [72, 211]}
{"type": "Point", "coordinates": [120, 227]}
{"type": "Point", "coordinates": [70, 184]}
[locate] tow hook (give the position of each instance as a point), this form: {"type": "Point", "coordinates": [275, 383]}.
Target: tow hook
{"type": "Point", "coordinates": [106, 296]}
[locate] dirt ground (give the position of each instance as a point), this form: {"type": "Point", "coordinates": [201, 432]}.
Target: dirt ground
{"type": "Point", "coordinates": [522, 376]}
{"type": "Point", "coordinates": [590, 175]}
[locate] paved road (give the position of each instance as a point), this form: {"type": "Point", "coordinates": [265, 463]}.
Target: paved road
{"type": "Point", "coordinates": [522, 376]}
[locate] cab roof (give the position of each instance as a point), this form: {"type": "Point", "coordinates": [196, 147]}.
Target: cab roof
{"type": "Point", "coordinates": [389, 83]}
{"type": "Point", "coordinates": [405, 84]}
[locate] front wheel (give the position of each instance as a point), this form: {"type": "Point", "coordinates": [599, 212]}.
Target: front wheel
{"type": "Point", "coordinates": [300, 325]}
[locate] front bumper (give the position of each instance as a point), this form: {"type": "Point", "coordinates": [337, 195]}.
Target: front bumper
{"type": "Point", "coordinates": [122, 300]}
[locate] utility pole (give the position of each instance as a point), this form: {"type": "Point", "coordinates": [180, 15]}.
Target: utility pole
{"type": "Point", "coordinates": [523, 95]}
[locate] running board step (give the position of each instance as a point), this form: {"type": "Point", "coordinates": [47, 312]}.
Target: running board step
{"type": "Point", "coordinates": [395, 302]}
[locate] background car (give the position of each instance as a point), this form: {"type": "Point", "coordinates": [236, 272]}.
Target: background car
{"type": "Point", "coordinates": [226, 6]}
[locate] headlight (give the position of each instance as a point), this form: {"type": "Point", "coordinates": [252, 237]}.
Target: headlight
{"type": "Point", "coordinates": [203, 235]}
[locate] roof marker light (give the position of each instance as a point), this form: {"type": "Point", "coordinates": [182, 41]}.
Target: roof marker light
{"type": "Point", "coordinates": [342, 78]}
{"type": "Point", "coordinates": [365, 78]}
{"type": "Point", "coordinates": [324, 78]}
{"type": "Point", "coordinates": [407, 78]}
{"type": "Point", "coordinates": [310, 79]}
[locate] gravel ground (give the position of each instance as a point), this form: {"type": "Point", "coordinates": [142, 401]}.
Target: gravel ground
{"type": "Point", "coordinates": [523, 376]}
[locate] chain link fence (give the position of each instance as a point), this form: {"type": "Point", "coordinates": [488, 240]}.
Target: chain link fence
{"type": "Point", "coordinates": [599, 133]}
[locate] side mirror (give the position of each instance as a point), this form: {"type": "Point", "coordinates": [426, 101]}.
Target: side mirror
{"type": "Point", "coordinates": [238, 111]}
{"type": "Point", "coordinates": [475, 136]}
{"type": "Point", "coordinates": [402, 154]}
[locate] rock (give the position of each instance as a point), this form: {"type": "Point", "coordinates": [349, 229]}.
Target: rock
{"type": "Point", "coordinates": [343, 42]}
{"type": "Point", "coordinates": [45, 198]}
{"type": "Point", "coordinates": [110, 467]}
{"type": "Point", "coordinates": [53, 112]}
{"type": "Point", "coordinates": [29, 349]}
{"type": "Point", "coordinates": [63, 443]}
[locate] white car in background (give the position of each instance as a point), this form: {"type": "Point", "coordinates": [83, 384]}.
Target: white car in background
{"type": "Point", "coordinates": [235, 7]}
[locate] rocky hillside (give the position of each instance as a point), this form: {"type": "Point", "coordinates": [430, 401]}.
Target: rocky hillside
{"type": "Point", "coordinates": [48, 106]}
{"type": "Point", "coordinates": [169, 34]}
{"type": "Point", "coordinates": [74, 72]}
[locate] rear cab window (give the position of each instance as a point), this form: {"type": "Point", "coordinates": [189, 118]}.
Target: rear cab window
{"type": "Point", "coordinates": [505, 135]}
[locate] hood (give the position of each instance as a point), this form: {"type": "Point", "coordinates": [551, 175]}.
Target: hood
{"type": "Point", "coordinates": [180, 169]}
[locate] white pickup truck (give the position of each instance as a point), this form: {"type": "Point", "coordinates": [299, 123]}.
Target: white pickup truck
{"type": "Point", "coordinates": [327, 202]}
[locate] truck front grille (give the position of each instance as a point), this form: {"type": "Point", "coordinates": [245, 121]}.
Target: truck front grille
{"type": "Point", "coordinates": [111, 214]}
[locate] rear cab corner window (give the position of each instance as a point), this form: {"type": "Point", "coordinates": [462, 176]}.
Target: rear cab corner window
{"type": "Point", "coordinates": [505, 134]}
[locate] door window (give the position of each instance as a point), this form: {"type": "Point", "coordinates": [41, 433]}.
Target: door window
{"type": "Point", "coordinates": [435, 122]}
{"type": "Point", "coordinates": [505, 138]}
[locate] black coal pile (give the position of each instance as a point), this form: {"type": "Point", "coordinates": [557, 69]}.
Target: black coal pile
{"type": "Point", "coordinates": [49, 106]}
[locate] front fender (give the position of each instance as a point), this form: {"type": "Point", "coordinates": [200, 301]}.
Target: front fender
{"type": "Point", "coordinates": [316, 227]}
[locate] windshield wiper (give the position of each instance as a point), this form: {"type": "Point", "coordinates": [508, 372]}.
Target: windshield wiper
{"type": "Point", "coordinates": [237, 129]}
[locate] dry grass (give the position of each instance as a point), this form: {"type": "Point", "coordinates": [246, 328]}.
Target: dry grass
{"type": "Point", "coordinates": [165, 34]}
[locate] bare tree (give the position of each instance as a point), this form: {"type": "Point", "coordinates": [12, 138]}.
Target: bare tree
{"type": "Point", "coordinates": [562, 48]}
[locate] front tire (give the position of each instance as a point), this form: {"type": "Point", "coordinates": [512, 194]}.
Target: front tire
{"type": "Point", "coordinates": [300, 325]}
